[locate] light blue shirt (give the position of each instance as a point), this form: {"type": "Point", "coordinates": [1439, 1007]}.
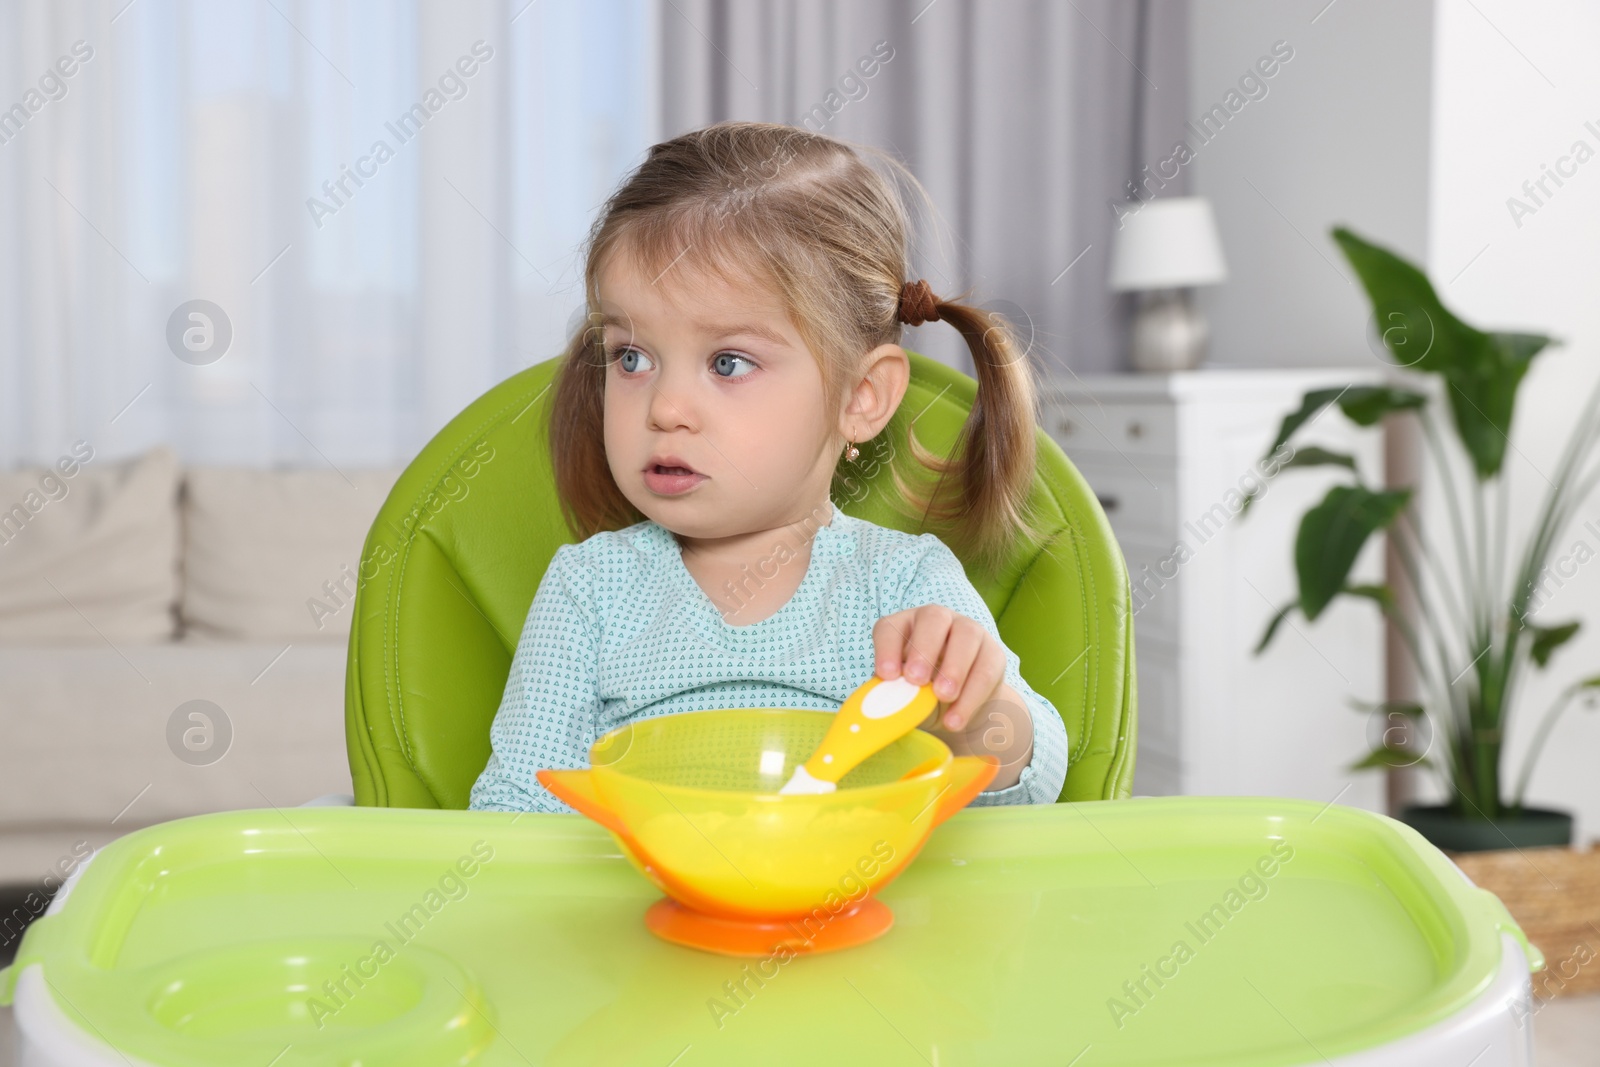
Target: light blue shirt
{"type": "Point", "coordinates": [620, 631]}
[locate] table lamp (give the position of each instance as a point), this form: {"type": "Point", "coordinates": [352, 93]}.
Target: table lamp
{"type": "Point", "coordinates": [1161, 249]}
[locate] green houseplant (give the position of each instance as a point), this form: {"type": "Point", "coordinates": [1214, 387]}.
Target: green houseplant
{"type": "Point", "coordinates": [1472, 639]}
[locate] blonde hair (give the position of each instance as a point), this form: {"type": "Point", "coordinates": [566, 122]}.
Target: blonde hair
{"type": "Point", "coordinates": [803, 214]}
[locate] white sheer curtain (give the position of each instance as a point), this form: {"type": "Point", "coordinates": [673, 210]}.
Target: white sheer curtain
{"type": "Point", "coordinates": [228, 151]}
{"type": "Point", "coordinates": [176, 160]}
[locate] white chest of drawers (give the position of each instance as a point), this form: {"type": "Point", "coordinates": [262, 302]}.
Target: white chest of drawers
{"type": "Point", "coordinates": [1171, 456]}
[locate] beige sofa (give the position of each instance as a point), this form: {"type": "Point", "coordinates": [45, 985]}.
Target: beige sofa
{"type": "Point", "coordinates": [172, 641]}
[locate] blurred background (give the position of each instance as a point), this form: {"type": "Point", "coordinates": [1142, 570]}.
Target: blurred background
{"type": "Point", "coordinates": [255, 253]}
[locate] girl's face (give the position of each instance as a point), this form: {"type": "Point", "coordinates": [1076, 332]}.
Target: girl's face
{"type": "Point", "coordinates": [714, 421]}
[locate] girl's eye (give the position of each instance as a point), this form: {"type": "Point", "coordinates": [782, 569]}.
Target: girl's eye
{"type": "Point", "coordinates": [627, 358]}
{"type": "Point", "coordinates": [726, 360]}
{"type": "Point", "coordinates": [725, 364]}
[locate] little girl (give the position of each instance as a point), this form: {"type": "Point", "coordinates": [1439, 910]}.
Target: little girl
{"type": "Point", "coordinates": [746, 295]}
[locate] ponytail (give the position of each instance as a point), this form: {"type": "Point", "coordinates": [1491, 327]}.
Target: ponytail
{"type": "Point", "coordinates": [981, 497]}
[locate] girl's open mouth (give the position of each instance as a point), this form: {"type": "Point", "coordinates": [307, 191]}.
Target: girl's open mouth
{"type": "Point", "coordinates": [671, 480]}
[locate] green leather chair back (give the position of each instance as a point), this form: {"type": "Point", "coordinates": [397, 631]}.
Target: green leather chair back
{"type": "Point", "coordinates": [455, 555]}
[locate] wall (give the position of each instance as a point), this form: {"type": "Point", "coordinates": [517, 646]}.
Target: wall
{"type": "Point", "coordinates": [1339, 136]}
{"type": "Point", "coordinates": [1415, 123]}
{"type": "Point", "coordinates": [1514, 86]}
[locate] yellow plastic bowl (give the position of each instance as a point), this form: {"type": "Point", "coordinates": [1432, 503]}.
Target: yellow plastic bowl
{"type": "Point", "coordinates": [693, 801]}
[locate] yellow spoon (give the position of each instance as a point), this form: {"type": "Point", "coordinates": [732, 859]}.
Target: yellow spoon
{"type": "Point", "coordinates": [874, 716]}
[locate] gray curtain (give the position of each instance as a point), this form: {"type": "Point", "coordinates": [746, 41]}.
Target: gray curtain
{"type": "Point", "coordinates": [1024, 119]}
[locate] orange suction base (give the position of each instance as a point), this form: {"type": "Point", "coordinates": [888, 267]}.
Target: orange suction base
{"type": "Point", "coordinates": [671, 921]}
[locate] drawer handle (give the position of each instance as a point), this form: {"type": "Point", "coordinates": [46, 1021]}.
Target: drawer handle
{"type": "Point", "coordinates": [1135, 430]}
{"type": "Point", "coordinates": [1107, 503]}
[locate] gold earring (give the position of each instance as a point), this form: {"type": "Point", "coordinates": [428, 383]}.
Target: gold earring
{"type": "Point", "coordinates": [852, 452]}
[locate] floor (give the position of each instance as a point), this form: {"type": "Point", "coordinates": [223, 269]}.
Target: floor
{"type": "Point", "coordinates": [1566, 1032]}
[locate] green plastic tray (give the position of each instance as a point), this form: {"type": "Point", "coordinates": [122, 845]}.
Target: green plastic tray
{"type": "Point", "coordinates": [1022, 935]}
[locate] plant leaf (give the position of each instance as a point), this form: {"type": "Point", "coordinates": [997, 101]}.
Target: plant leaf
{"type": "Point", "coordinates": [1591, 683]}
{"type": "Point", "coordinates": [1483, 392]}
{"type": "Point", "coordinates": [1409, 708]}
{"type": "Point", "coordinates": [1481, 370]}
{"type": "Point", "coordinates": [1546, 639]}
{"type": "Point", "coordinates": [1331, 536]}
{"type": "Point", "coordinates": [1310, 404]}
{"type": "Point", "coordinates": [1389, 757]}
{"type": "Point", "coordinates": [1381, 595]}
{"type": "Point", "coordinates": [1366, 404]}
{"type": "Point", "coordinates": [1272, 627]}
{"type": "Point", "coordinates": [1317, 456]}
{"type": "Point", "coordinates": [1362, 404]}
{"type": "Point", "coordinates": [1310, 456]}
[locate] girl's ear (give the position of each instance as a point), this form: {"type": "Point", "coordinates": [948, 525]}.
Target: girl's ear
{"type": "Point", "coordinates": [875, 398]}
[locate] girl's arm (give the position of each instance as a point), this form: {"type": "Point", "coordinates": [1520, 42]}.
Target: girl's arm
{"type": "Point", "coordinates": [1033, 753]}
{"type": "Point", "coordinates": [551, 705]}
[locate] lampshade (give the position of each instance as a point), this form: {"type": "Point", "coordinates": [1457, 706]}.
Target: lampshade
{"type": "Point", "coordinates": [1169, 242]}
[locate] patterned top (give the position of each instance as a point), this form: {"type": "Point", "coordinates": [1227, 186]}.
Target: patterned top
{"type": "Point", "coordinates": [619, 631]}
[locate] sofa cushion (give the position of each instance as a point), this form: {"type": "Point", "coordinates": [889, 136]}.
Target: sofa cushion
{"type": "Point", "coordinates": [273, 554]}
{"type": "Point", "coordinates": [92, 737]}
{"type": "Point", "coordinates": [89, 549]}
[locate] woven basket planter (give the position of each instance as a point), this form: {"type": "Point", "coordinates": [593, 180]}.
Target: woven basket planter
{"type": "Point", "coordinates": [1554, 894]}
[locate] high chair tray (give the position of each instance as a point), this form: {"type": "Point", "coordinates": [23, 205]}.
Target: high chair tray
{"type": "Point", "coordinates": [1225, 930]}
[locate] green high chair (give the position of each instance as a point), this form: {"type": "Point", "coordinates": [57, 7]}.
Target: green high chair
{"type": "Point", "coordinates": [203, 940]}
{"type": "Point", "coordinates": [457, 551]}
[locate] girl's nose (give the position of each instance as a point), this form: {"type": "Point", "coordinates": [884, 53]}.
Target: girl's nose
{"type": "Point", "coordinates": [669, 407]}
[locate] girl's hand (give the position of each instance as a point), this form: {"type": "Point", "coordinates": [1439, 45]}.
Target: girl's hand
{"type": "Point", "coordinates": [978, 712]}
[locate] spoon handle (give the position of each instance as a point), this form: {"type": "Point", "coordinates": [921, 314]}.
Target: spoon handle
{"type": "Point", "coordinates": [872, 718]}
